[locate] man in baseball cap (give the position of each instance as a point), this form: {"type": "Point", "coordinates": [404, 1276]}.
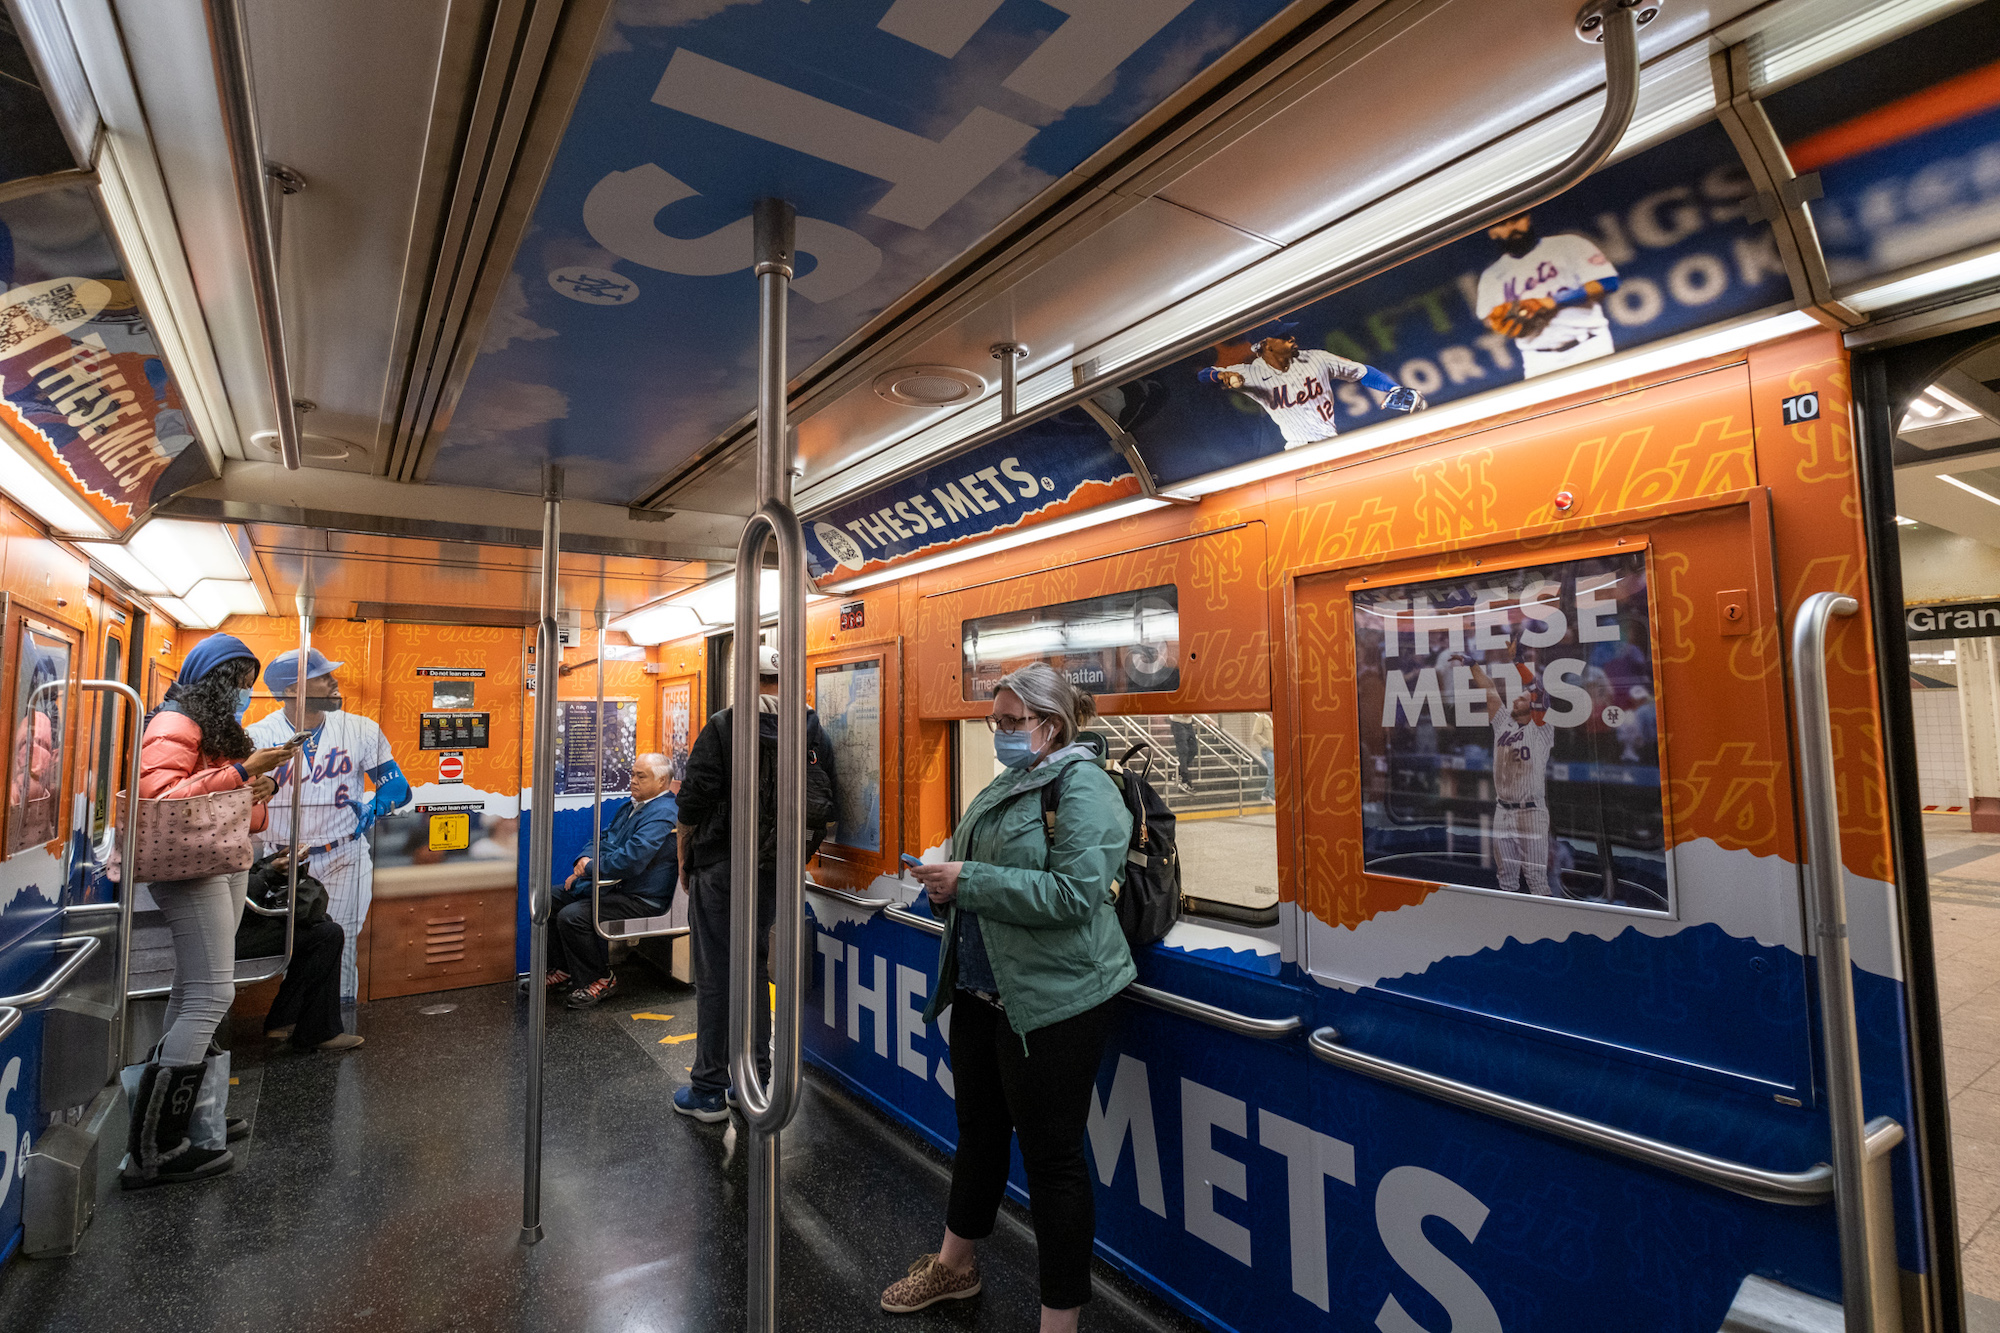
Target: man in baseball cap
{"type": "Point", "coordinates": [335, 809]}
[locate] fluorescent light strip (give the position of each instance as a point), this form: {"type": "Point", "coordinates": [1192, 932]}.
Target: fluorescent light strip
{"type": "Point", "coordinates": [710, 605]}
{"type": "Point", "coordinates": [1964, 273]}
{"type": "Point", "coordinates": [1969, 490]}
{"type": "Point", "coordinates": [1725, 338]}
{"type": "Point", "coordinates": [1089, 518]}
{"type": "Point", "coordinates": [25, 477]}
{"type": "Point", "coordinates": [1902, 522]}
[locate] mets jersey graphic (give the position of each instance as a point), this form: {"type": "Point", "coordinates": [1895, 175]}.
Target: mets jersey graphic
{"type": "Point", "coordinates": [1556, 265]}
{"type": "Point", "coordinates": [335, 806]}
{"type": "Point", "coordinates": [1300, 397]}
{"type": "Point", "coordinates": [1521, 759]}
{"type": "Point", "coordinates": [336, 799]}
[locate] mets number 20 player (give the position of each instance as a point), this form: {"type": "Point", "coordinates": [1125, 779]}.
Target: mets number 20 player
{"type": "Point", "coordinates": [1296, 387]}
{"type": "Point", "coordinates": [335, 810]}
{"type": "Point", "coordinates": [1522, 740]}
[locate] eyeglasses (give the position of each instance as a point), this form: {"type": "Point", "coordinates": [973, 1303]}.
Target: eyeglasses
{"type": "Point", "coordinates": [996, 722]}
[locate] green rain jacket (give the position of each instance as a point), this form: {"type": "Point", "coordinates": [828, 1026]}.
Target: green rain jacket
{"type": "Point", "coordinates": [1046, 906]}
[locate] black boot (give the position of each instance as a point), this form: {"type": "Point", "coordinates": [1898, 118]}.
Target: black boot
{"type": "Point", "coordinates": [161, 1152]}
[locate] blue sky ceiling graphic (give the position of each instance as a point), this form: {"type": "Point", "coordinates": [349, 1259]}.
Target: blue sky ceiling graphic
{"type": "Point", "coordinates": [624, 339]}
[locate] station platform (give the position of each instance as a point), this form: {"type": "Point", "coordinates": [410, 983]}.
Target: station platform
{"type": "Point", "coordinates": [381, 1190]}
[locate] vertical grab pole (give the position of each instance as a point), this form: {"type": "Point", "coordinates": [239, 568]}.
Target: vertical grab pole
{"type": "Point", "coordinates": [300, 762]}
{"type": "Point", "coordinates": [1869, 1284]}
{"type": "Point", "coordinates": [766, 1110]}
{"type": "Point", "coordinates": [128, 847]}
{"type": "Point", "coordinates": [541, 836]}
{"type": "Point", "coordinates": [599, 619]}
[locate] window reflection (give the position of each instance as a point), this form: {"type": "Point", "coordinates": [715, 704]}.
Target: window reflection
{"type": "Point", "coordinates": [41, 691]}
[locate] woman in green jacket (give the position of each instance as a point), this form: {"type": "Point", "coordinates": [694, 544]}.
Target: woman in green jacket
{"type": "Point", "coordinates": [1031, 960]}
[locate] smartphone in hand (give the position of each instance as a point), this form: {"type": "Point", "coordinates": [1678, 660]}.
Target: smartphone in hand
{"type": "Point", "coordinates": [909, 860]}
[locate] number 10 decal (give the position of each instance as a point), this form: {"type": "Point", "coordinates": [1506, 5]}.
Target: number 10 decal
{"type": "Point", "coordinates": [1801, 407]}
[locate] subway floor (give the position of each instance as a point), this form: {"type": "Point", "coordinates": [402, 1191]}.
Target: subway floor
{"type": "Point", "coordinates": [1965, 921]}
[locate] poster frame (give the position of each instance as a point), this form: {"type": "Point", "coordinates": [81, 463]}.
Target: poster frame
{"type": "Point", "coordinates": [855, 867]}
{"type": "Point", "coordinates": [697, 719]}
{"type": "Point", "coordinates": [1512, 553]}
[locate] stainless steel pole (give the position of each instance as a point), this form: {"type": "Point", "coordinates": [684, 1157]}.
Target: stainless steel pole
{"type": "Point", "coordinates": [541, 836]}
{"type": "Point", "coordinates": [597, 777]}
{"type": "Point", "coordinates": [1009, 356]}
{"type": "Point", "coordinates": [1868, 1280]}
{"type": "Point", "coordinates": [128, 852]}
{"type": "Point", "coordinates": [767, 1110]}
{"type": "Point", "coordinates": [300, 763]}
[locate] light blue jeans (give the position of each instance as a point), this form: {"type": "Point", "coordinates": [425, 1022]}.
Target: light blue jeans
{"type": "Point", "coordinates": [1270, 775]}
{"type": "Point", "coordinates": [203, 914]}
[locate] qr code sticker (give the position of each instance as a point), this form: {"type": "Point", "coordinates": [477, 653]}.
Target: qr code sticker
{"type": "Point", "coordinates": [26, 319]}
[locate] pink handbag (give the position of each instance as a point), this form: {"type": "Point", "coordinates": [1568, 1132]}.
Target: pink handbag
{"type": "Point", "coordinates": [193, 837]}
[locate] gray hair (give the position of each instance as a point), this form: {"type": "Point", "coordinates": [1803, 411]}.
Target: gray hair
{"type": "Point", "coordinates": [658, 765]}
{"type": "Point", "coordinates": [1049, 694]}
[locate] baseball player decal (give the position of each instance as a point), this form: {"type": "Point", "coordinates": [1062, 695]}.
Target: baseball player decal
{"type": "Point", "coordinates": [1547, 294]}
{"type": "Point", "coordinates": [344, 752]}
{"type": "Point", "coordinates": [1523, 738]}
{"type": "Point", "coordinates": [1296, 387]}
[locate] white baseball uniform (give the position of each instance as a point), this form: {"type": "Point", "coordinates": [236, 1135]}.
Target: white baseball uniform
{"type": "Point", "coordinates": [332, 806]}
{"type": "Point", "coordinates": [1556, 265]}
{"type": "Point", "coordinates": [1521, 807]}
{"type": "Point", "coordinates": [1300, 397]}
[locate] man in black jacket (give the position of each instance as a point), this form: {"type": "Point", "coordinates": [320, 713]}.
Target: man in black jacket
{"type": "Point", "coordinates": [704, 834]}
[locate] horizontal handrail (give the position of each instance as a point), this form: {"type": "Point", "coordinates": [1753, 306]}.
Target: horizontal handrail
{"type": "Point", "coordinates": [1814, 1185]}
{"type": "Point", "coordinates": [930, 925]}
{"type": "Point", "coordinates": [92, 909]}
{"type": "Point", "coordinates": [604, 931]}
{"type": "Point", "coordinates": [851, 899]}
{"type": "Point", "coordinates": [10, 1018]}
{"type": "Point", "coordinates": [1265, 1029]}
{"type": "Point", "coordinates": [84, 945]}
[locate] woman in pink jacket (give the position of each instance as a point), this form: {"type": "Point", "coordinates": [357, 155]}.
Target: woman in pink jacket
{"type": "Point", "coordinates": [194, 744]}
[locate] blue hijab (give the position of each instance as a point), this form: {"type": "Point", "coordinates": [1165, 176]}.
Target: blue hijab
{"type": "Point", "coordinates": [211, 653]}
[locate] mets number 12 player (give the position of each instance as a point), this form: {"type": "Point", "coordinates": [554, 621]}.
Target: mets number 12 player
{"type": "Point", "coordinates": [1522, 740]}
{"type": "Point", "coordinates": [335, 809]}
{"type": "Point", "coordinates": [1296, 387]}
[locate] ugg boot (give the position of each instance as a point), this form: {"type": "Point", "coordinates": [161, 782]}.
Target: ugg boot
{"type": "Point", "coordinates": [161, 1153]}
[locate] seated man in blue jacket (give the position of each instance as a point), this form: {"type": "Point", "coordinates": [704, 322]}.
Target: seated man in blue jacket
{"type": "Point", "coordinates": [639, 853]}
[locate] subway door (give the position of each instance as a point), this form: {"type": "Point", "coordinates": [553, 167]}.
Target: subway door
{"type": "Point", "coordinates": [1512, 883]}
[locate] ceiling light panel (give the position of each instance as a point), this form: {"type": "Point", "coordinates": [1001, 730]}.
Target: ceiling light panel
{"type": "Point", "coordinates": [1794, 41]}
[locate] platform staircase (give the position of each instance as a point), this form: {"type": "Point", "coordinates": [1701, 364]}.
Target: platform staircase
{"type": "Point", "coordinates": [1228, 775]}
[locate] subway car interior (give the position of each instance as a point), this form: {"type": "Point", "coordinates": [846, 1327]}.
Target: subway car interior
{"type": "Point", "coordinates": [1480, 520]}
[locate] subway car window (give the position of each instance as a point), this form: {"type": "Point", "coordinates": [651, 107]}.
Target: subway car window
{"type": "Point", "coordinates": [41, 697]}
{"type": "Point", "coordinates": [1214, 772]}
{"type": "Point", "coordinates": [112, 720]}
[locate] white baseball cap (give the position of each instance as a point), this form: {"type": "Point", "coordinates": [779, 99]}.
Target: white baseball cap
{"type": "Point", "coordinates": [767, 660]}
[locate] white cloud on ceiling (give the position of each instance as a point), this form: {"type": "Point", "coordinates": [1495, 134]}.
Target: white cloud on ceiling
{"type": "Point", "coordinates": [503, 407]}
{"type": "Point", "coordinates": [509, 321]}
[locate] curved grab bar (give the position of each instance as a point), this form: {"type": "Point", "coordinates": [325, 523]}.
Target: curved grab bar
{"type": "Point", "coordinates": [10, 1018]}
{"type": "Point", "coordinates": [1814, 1185]}
{"type": "Point", "coordinates": [851, 899]}
{"type": "Point", "coordinates": [250, 905]}
{"type": "Point", "coordinates": [84, 945]}
{"type": "Point", "coordinates": [930, 925]}
{"type": "Point", "coordinates": [1264, 1029]}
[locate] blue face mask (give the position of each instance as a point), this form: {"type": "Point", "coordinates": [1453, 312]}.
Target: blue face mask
{"type": "Point", "coordinates": [242, 703]}
{"type": "Point", "coordinates": [1015, 749]}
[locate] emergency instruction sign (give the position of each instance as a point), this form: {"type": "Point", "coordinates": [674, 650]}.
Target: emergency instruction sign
{"type": "Point", "coordinates": [454, 731]}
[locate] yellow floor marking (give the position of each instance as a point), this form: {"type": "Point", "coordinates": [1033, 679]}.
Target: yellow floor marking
{"type": "Point", "coordinates": [774, 995]}
{"type": "Point", "coordinates": [668, 1041]}
{"type": "Point", "coordinates": [657, 1018]}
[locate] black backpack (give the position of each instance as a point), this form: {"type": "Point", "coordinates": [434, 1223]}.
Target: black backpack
{"type": "Point", "coordinates": [819, 807]}
{"type": "Point", "coordinates": [1150, 902]}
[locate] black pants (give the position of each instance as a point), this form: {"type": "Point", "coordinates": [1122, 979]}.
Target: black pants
{"type": "Point", "coordinates": [1187, 747]}
{"type": "Point", "coordinates": [708, 938]}
{"type": "Point", "coordinates": [1042, 1096]}
{"type": "Point", "coordinates": [575, 946]}
{"type": "Point", "coordinates": [309, 997]}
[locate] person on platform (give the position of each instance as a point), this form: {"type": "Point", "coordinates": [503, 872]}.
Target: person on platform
{"type": "Point", "coordinates": [336, 812]}
{"type": "Point", "coordinates": [640, 867]}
